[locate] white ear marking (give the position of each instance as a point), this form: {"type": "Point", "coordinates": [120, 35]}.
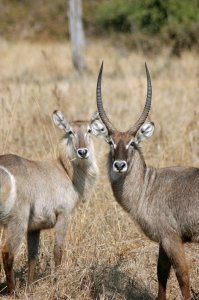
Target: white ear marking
{"type": "Point", "coordinates": [97, 126]}
{"type": "Point", "coordinates": [145, 132]}
{"type": "Point", "coordinates": [60, 121]}
{"type": "Point", "coordinates": [95, 116]}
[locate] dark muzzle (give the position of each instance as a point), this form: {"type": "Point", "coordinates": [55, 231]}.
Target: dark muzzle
{"type": "Point", "coordinates": [120, 166]}
{"type": "Point", "coordinates": [82, 153]}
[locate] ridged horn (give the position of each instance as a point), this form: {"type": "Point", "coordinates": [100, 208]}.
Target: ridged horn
{"type": "Point", "coordinates": [147, 106]}
{"type": "Point", "coordinates": [100, 107]}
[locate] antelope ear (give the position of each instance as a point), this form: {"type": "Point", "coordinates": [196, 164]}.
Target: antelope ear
{"type": "Point", "coordinates": [97, 126]}
{"type": "Point", "coordinates": [145, 132]}
{"type": "Point", "coordinates": [60, 121]}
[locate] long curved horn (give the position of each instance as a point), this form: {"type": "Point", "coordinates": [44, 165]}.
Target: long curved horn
{"type": "Point", "coordinates": [100, 107]}
{"type": "Point", "coordinates": [147, 106]}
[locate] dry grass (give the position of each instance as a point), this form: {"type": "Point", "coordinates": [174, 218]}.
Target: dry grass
{"type": "Point", "coordinates": [106, 257]}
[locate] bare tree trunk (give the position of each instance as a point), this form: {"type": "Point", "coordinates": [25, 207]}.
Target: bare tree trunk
{"type": "Point", "coordinates": [76, 33]}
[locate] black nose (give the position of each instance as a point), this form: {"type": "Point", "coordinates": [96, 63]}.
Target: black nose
{"type": "Point", "coordinates": [82, 152]}
{"type": "Point", "coordinates": [120, 165]}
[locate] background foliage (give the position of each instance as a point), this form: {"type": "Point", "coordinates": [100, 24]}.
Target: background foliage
{"type": "Point", "coordinates": [174, 21]}
{"type": "Point", "coordinates": [137, 22]}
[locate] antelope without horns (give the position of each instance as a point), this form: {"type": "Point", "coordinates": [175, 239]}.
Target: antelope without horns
{"type": "Point", "coordinates": [164, 202]}
{"type": "Point", "coordinates": [36, 195]}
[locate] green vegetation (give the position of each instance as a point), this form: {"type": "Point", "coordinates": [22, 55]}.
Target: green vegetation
{"type": "Point", "coordinates": [147, 16]}
{"type": "Point", "coordinates": [177, 21]}
{"type": "Point", "coordinates": [169, 21]}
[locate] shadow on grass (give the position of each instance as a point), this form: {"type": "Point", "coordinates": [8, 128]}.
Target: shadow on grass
{"type": "Point", "coordinates": [195, 295]}
{"type": "Point", "coordinates": [20, 276]}
{"type": "Point", "coordinates": [112, 282]}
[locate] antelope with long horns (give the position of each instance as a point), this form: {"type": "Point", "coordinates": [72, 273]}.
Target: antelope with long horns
{"type": "Point", "coordinates": [36, 195]}
{"type": "Point", "coordinates": [164, 202]}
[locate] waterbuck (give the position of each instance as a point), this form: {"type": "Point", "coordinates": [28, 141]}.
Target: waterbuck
{"type": "Point", "coordinates": [36, 195]}
{"type": "Point", "coordinates": [164, 202]}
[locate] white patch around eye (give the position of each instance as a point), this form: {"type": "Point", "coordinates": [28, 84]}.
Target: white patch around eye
{"type": "Point", "coordinates": [111, 143]}
{"type": "Point", "coordinates": [70, 132]}
{"type": "Point", "coordinates": [89, 130]}
{"type": "Point", "coordinates": [129, 143]}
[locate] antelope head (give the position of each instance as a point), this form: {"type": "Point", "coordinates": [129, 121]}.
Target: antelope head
{"type": "Point", "coordinates": [123, 145]}
{"type": "Point", "coordinates": [76, 138]}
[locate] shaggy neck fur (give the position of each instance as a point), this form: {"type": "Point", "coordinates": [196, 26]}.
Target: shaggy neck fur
{"type": "Point", "coordinates": [129, 188]}
{"type": "Point", "coordinates": [82, 172]}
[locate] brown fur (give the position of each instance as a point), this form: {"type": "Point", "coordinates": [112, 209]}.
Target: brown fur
{"type": "Point", "coordinates": [163, 202]}
{"type": "Point", "coordinates": [45, 196]}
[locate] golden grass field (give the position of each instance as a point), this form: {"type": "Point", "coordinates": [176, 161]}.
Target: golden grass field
{"type": "Point", "coordinates": [106, 256]}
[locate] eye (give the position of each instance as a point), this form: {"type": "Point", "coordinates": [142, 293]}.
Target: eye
{"type": "Point", "coordinates": [132, 144]}
{"type": "Point", "coordinates": [89, 130]}
{"type": "Point", "coordinates": [70, 132]}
